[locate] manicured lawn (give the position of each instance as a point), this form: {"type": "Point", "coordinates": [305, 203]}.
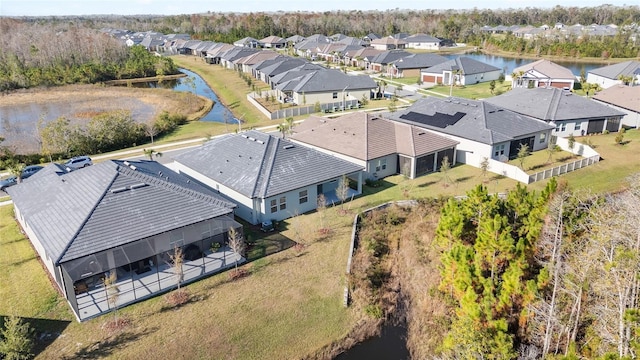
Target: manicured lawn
{"type": "Point", "coordinates": [475, 91]}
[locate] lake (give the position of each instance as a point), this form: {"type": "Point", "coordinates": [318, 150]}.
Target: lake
{"type": "Point", "coordinates": [508, 64]}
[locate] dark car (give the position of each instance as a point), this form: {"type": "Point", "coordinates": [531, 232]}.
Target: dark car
{"type": "Point", "coordinates": [12, 180]}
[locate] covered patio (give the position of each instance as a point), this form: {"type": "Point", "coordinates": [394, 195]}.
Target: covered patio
{"type": "Point", "coordinates": [151, 280]}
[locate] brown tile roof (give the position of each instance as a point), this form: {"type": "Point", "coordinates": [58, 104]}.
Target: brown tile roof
{"type": "Point", "coordinates": [365, 136]}
{"type": "Point", "coordinates": [257, 57]}
{"type": "Point", "coordinates": [547, 68]}
{"type": "Point", "coordinates": [627, 97]}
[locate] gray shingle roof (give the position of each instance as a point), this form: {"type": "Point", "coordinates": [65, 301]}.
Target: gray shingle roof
{"type": "Point", "coordinates": [110, 204]}
{"type": "Point", "coordinates": [332, 80]}
{"type": "Point", "coordinates": [419, 61]}
{"type": "Point", "coordinates": [551, 104]}
{"type": "Point", "coordinates": [421, 38]}
{"type": "Point", "coordinates": [470, 119]}
{"type": "Point", "coordinates": [389, 56]}
{"type": "Point", "coordinates": [258, 165]}
{"type": "Point", "coordinates": [627, 68]}
{"type": "Point", "coordinates": [468, 66]}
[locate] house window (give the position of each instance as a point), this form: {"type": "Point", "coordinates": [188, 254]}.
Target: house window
{"type": "Point", "coordinates": [383, 164]}
{"type": "Point", "coordinates": [303, 195]}
{"type": "Point", "coordinates": [498, 150]}
{"type": "Point", "coordinates": [563, 127]}
{"type": "Point", "coordinates": [274, 206]}
{"type": "Point", "coordinates": [176, 239]}
{"type": "Point", "coordinates": [557, 128]}
{"type": "Point", "coordinates": [543, 138]}
{"type": "Point", "coordinates": [335, 95]}
{"type": "Point", "coordinates": [578, 125]}
{"type": "Point", "coordinates": [283, 203]}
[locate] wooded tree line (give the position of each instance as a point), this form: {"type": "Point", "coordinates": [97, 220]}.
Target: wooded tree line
{"type": "Point", "coordinates": [57, 53]}
{"type": "Point", "coordinates": [537, 275]}
{"type": "Point", "coordinates": [618, 46]}
{"type": "Point", "coordinates": [457, 25]}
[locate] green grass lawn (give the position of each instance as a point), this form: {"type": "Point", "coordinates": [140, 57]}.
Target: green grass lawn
{"type": "Point", "coordinates": [475, 91]}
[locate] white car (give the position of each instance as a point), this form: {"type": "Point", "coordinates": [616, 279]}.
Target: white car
{"type": "Point", "coordinates": [78, 162]}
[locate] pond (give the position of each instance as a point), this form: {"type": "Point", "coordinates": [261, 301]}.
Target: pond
{"type": "Point", "coordinates": [508, 64]}
{"type": "Point", "coordinates": [195, 84]}
{"type": "Point", "coordinates": [391, 344]}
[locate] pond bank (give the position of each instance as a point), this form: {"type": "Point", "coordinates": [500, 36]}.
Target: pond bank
{"type": "Point", "coordinates": [144, 79]}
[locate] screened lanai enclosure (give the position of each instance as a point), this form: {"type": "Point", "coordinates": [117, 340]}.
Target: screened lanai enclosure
{"type": "Point", "coordinates": [144, 268]}
{"type": "Point", "coordinates": [125, 218]}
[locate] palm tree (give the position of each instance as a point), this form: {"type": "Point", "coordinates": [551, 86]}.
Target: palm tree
{"type": "Point", "coordinates": [151, 153]}
{"type": "Point", "coordinates": [15, 168]}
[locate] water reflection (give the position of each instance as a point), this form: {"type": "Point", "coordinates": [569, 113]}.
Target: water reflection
{"type": "Point", "coordinates": [195, 84]}
{"type": "Point", "coordinates": [508, 64]}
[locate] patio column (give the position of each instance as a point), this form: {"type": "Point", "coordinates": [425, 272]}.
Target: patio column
{"type": "Point", "coordinates": [359, 182]}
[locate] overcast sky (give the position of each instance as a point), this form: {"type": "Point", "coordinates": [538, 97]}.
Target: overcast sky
{"type": "Point", "coordinates": [173, 7]}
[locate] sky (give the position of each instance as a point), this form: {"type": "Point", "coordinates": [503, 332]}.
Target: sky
{"type": "Point", "coordinates": [174, 7]}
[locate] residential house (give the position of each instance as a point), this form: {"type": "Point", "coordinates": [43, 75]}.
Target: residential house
{"type": "Point", "coordinates": [269, 68]}
{"type": "Point", "coordinates": [246, 63]}
{"type": "Point", "coordinates": [383, 147]}
{"type": "Point", "coordinates": [625, 99]}
{"type": "Point", "coordinates": [462, 70]}
{"type": "Point", "coordinates": [411, 65]}
{"type": "Point", "coordinates": [153, 43]}
{"type": "Point", "coordinates": [215, 51]}
{"type": "Point", "coordinates": [273, 42]}
{"type": "Point", "coordinates": [370, 37]}
{"type": "Point", "coordinates": [627, 73]}
{"type": "Point", "coordinates": [122, 217]}
{"type": "Point", "coordinates": [481, 129]}
{"type": "Point", "coordinates": [328, 86]}
{"type": "Point", "coordinates": [334, 52]}
{"type": "Point", "coordinates": [361, 57]}
{"type": "Point", "coordinates": [306, 48]}
{"type": "Point", "coordinates": [381, 61]}
{"type": "Point", "coordinates": [293, 40]}
{"type": "Point", "coordinates": [270, 178]}
{"type": "Point", "coordinates": [248, 42]}
{"type": "Point", "coordinates": [229, 58]}
{"type": "Point", "coordinates": [570, 114]}
{"type": "Point", "coordinates": [422, 41]}
{"type": "Point", "coordinates": [388, 43]}
{"type": "Point", "coordinates": [542, 73]}
{"type": "Point", "coordinates": [285, 92]}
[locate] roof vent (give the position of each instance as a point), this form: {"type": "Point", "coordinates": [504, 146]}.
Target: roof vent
{"type": "Point", "coordinates": [126, 163]}
{"type": "Point", "coordinates": [421, 133]}
{"type": "Point", "coordinates": [252, 139]}
{"type": "Point", "coordinates": [119, 190]}
{"type": "Point", "coordinates": [288, 147]}
{"type": "Point", "coordinates": [132, 167]}
{"type": "Point", "coordinates": [137, 186]}
{"type": "Point", "coordinates": [260, 141]}
{"type": "Point", "coordinates": [244, 136]}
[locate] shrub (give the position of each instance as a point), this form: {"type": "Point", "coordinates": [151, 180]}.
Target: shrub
{"type": "Point", "coordinates": [375, 311]}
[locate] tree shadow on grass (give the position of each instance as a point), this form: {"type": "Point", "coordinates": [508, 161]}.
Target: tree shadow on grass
{"type": "Point", "coordinates": [106, 347]}
{"type": "Point", "coordinates": [428, 183]}
{"type": "Point", "coordinates": [46, 331]}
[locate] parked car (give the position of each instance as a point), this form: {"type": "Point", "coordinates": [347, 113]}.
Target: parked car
{"type": "Point", "coordinates": [78, 162]}
{"type": "Point", "coordinates": [12, 180]}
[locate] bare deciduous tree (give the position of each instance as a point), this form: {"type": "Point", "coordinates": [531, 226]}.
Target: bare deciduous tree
{"type": "Point", "coordinates": [236, 243]}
